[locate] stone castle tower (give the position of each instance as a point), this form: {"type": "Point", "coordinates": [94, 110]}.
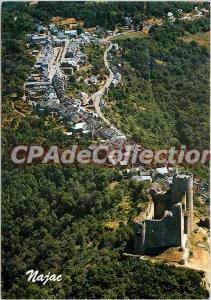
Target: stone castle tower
{"type": "Point", "coordinates": [167, 222]}
{"type": "Point", "coordinates": [182, 191]}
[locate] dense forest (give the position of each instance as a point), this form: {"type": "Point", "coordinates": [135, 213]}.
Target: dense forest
{"type": "Point", "coordinates": [77, 221]}
{"type": "Point", "coordinates": [164, 97]}
{"type": "Point", "coordinates": [55, 219]}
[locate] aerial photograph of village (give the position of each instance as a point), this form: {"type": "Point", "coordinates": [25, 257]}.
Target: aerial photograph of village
{"type": "Point", "coordinates": [105, 150]}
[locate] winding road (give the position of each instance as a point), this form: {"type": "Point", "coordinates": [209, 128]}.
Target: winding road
{"type": "Point", "coordinates": [98, 95]}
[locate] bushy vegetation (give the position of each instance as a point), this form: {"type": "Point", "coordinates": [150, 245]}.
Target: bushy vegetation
{"type": "Point", "coordinates": [111, 13]}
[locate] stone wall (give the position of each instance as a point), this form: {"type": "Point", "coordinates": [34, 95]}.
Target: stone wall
{"type": "Point", "coordinates": [183, 188]}
{"type": "Point", "coordinates": [162, 203]}
{"type": "Point", "coordinates": [168, 231]}
{"type": "Point", "coordinates": [176, 221]}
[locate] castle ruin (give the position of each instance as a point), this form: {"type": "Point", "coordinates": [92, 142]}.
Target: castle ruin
{"type": "Point", "coordinates": [169, 217]}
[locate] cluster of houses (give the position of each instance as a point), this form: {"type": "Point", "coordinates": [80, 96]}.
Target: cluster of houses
{"type": "Point", "coordinates": [163, 174]}
{"type": "Point", "coordinates": [117, 75]}
{"type": "Point", "coordinates": [59, 53]}
{"type": "Point", "coordinates": [163, 178]}
{"type": "Point", "coordinates": [58, 36]}
{"type": "Point", "coordinates": [45, 87]}
{"type": "Point", "coordinates": [91, 121]}
{"type": "Point", "coordinates": [202, 189]}
{"type": "Point", "coordinates": [38, 81]}
{"type": "Point", "coordinates": [115, 69]}
{"type": "Point", "coordinates": [74, 57]}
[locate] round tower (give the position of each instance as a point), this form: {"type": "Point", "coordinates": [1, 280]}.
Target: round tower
{"type": "Point", "coordinates": [183, 185]}
{"type": "Point", "coordinates": [189, 201]}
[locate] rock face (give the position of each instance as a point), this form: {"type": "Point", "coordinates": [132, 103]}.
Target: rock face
{"type": "Point", "coordinates": [167, 222]}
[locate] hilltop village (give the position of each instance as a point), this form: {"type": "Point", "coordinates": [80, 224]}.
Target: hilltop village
{"type": "Point", "coordinates": [59, 50]}
{"type": "Point", "coordinates": [59, 54]}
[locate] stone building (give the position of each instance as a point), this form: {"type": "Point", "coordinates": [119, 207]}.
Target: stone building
{"type": "Point", "coordinates": [168, 219]}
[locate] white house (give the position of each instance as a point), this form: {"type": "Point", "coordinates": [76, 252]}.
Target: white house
{"type": "Point", "coordinates": [39, 39]}
{"type": "Point", "coordinates": [80, 126]}
{"type": "Point", "coordinates": [142, 178]}
{"type": "Point", "coordinates": [71, 33]}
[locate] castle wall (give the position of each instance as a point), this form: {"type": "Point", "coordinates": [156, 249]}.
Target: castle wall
{"type": "Point", "coordinates": [162, 203]}
{"type": "Point", "coordinates": [140, 228]}
{"type": "Point", "coordinates": [186, 224]}
{"type": "Point", "coordinates": [139, 237]}
{"type": "Point", "coordinates": [165, 232]}
{"type": "Point", "coordinates": [168, 231]}
{"type": "Point", "coordinates": [178, 189]}
{"type": "Point", "coordinates": [176, 223]}
{"type": "Point", "coordinates": [189, 202]}
{"type": "Point", "coordinates": [183, 186]}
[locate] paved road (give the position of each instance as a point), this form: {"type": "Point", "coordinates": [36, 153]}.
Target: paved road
{"type": "Point", "coordinates": [98, 95]}
{"type": "Point", "coordinates": [54, 65]}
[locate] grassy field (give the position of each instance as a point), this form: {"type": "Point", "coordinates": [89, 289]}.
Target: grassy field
{"type": "Point", "coordinates": [131, 35]}
{"type": "Point", "coordinates": [202, 38]}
